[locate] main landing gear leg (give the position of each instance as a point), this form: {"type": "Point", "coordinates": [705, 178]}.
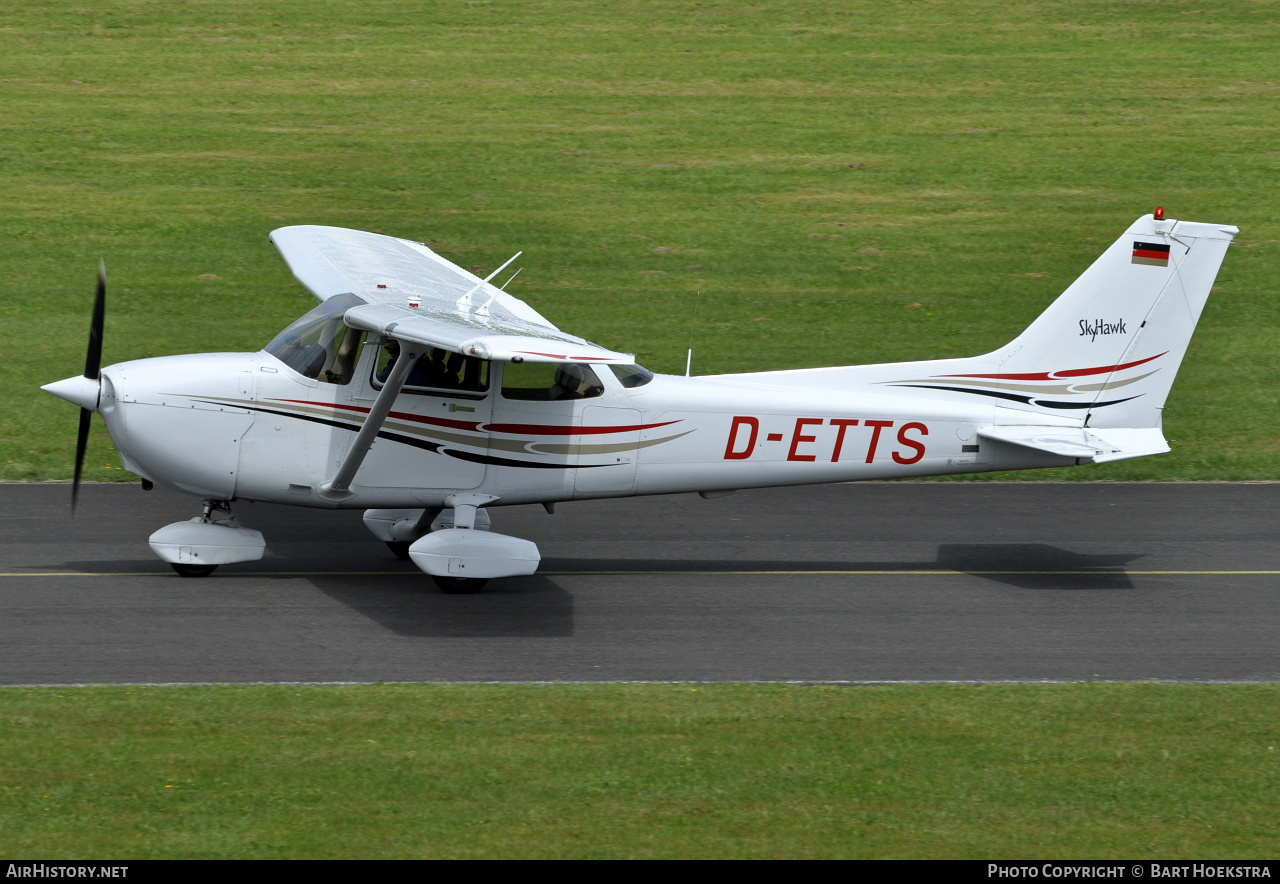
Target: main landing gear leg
{"type": "Point", "coordinates": [401, 547]}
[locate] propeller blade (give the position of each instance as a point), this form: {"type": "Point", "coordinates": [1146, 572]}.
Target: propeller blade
{"type": "Point", "coordinates": [93, 358]}
{"type": "Point", "coordinates": [82, 442]}
{"type": "Point", "coordinates": [92, 363]}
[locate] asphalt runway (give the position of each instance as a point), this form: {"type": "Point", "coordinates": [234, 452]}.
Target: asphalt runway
{"type": "Point", "coordinates": [840, 583]}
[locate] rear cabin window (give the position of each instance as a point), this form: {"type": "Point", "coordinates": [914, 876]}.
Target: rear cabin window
{"type": "Point", "coordinates": [436, 371]}
{"type": "Point", "coordinates": [319, 345]}
{"type": "Point", "coordinates": [549, 382]}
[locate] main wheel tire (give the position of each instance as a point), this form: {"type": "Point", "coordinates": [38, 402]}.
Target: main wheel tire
{"type": "Point", "coordinates": [460, 585]}
{"type": "Point", "coordinates": [400, 548]}
{"type": "Point", "coordinates": [185, 570]}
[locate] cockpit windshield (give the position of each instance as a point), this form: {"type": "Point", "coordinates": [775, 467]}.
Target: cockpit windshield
{"type": "Point", "coordinates": [319, 345]}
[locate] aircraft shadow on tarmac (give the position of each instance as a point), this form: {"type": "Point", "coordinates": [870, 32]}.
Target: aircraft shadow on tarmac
{"type": "Point", "coordinates": [1024, 565]}
{"type": "Point", "coordinates": [536, 606]}
{"type": "Point", "coordinates": [515, 607]}
{"type": "Point", "coordinates": [1037, 565]}
{"type": "Point", "coordinates": [407, 604]}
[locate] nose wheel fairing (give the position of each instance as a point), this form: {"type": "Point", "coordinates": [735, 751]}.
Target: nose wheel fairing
{"type": "Point", "coordinates": [194, 548]}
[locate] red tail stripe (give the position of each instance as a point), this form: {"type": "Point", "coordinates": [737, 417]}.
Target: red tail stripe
{"type": "Point", "coordinates": [1055, 375]}
{"type": "Point", "coordinates": [1085, 372]}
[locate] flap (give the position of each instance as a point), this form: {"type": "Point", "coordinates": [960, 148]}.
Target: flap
{"type": "Point", "coordinates": [490, 339]}
{"type": "Point", "coordinates": [1099, 446]}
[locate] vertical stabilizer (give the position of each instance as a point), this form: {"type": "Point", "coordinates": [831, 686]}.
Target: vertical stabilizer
{"type": "Point", "coordinates": [1109, 347]}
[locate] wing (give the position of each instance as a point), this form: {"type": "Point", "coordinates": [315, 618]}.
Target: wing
{"type": "Point", "coordinates": [414, 294]}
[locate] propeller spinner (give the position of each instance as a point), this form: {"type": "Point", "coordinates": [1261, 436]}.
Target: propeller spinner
{"type": "Point", "coordinates": [86, 390]}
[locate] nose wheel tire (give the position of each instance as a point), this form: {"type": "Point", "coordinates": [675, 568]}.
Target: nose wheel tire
{"type": "Point", "coordinates": [460, 585]}
{"type": "Point", "coordinates": [400, 548]}
{"type": "Point", "coordinates": [185, 570]}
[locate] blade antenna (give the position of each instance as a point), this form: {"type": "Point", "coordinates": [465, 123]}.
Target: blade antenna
{"type": "Point", "coordinates": [92, 364]}
{"type": "Point", "coordinates": [464, 303]}
{"type": "Point", "coordinates": [508, 282]}
{"type": "Point", "coordinates": [483, 310]}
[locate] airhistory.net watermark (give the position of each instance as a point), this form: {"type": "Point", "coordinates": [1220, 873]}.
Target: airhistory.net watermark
{"type": "Point", "coordinates": [65, 870]}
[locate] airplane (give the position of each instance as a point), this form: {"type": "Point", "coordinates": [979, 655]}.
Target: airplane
{"type": "Point", "coordinates": [428, 397]}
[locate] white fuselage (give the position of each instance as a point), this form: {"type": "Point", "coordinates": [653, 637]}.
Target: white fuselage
{"type": "Point", "coordinates": [244, 425]}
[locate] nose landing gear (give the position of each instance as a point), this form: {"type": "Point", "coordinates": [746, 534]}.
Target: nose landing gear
{"type": "Point", "coordinates": [196, 548]}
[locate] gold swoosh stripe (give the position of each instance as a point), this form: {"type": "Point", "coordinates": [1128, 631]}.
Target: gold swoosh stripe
{"type": "Point", "coordinates": [1111, 385]}
{"type": "Point", "coordinates": [599, 448]}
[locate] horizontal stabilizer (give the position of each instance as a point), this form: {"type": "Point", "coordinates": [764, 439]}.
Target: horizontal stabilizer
{"type": "Point", "coordinates": [1098, 446]}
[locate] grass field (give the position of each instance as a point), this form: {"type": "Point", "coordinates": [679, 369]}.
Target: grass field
{"type": "Point", "coordinates": [842, 182]}
{"type": "Point", "coordinates": [1124, 771]}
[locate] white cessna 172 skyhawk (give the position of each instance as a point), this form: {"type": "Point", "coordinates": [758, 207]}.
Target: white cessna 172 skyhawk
{"type": "Point", "coordinates": [423, 395]}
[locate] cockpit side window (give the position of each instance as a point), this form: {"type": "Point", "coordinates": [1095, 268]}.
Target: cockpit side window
{"type": "Point", "coordinates": [436, 371]}
{"type": "Point", "coordinates": [631, 375]}
{"type": "Point", "coordinates": [548, 381]}
{"type": "Point", "coordinates": [319, 345]}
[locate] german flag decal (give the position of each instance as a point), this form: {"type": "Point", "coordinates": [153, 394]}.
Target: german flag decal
{"type": "Point", "coordinates": [1155, 254]}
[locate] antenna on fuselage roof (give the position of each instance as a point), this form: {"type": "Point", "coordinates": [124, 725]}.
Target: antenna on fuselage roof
{"type": "Point", "coordinates": [688, 364]}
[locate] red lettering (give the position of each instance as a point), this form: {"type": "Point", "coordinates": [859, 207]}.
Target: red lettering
{"type": "Point", "coordinates": [729, 452]}
{"type": "Point", "coordinates": [875, 437]}
{"type": "Point", "coordinates": [797, 438]}
{"type": "Point", "coordinates": [910, 443]}
{"type": "Point", "coordinates": [844, 424]}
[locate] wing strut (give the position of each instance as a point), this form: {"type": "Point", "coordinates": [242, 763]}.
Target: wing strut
{"type": "Point", "coordinates": [339, 487]}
